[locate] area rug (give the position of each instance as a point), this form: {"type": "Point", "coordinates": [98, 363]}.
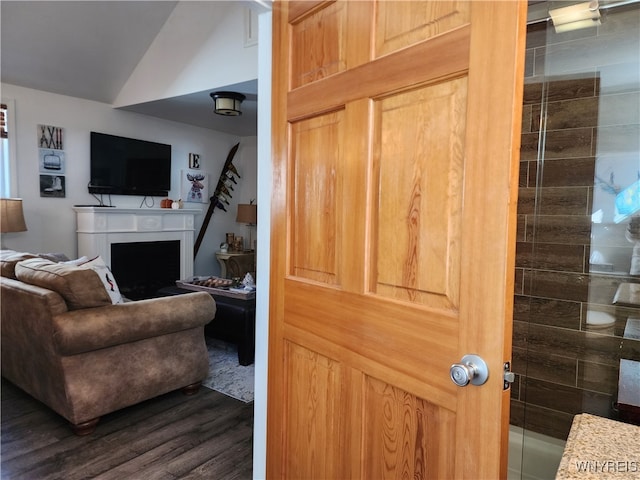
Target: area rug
{"type": "Point", "coordinates": [226, 375]}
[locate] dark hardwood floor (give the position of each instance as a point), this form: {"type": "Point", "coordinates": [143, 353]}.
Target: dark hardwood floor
{"type": "Point", "coordinates": [204, 436]}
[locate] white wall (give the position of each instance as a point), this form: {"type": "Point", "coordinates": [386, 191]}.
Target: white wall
{"type": "Point", "coordinates": [51, 221]}
{"type": "Point", "coordinates": [201, 47]}
{"type": "Point", "coordinates": [265, 189]}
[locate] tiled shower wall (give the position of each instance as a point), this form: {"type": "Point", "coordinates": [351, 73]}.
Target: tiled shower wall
{"type": "Point", "coordinates": [563, 366]}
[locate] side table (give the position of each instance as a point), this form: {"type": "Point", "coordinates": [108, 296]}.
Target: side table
{"type": "Point", "coordinates": [236, 264]}
{"type": "Point", "coordinates": [235, 322]}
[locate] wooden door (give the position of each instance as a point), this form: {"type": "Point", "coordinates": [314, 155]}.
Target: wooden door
{"type": "Point", "coordinates": [395, 149]}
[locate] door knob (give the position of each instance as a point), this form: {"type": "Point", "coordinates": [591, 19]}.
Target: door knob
{"type": "Point", "coordinates": [471, 369]}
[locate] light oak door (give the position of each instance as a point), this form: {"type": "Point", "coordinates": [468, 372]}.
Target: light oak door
{"type": "Point", "coordinates": [395, 154]}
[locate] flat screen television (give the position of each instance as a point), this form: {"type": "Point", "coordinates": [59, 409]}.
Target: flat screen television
{"type": "Point", "coordinates": [127, 166]}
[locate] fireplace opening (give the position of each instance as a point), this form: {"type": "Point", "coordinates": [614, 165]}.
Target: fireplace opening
{"type": "Point", "coordinates": [143, 268]}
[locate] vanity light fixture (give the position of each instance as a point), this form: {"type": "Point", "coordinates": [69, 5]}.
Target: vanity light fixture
{"type": "Point", "coordinates": [227, 103]}
{"type": "Point", "coordinates": [574, 17]}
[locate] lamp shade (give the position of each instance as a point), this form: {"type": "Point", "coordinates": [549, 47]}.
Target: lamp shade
{"type": "Point", "coordinates": [11, 216]}
{"type": "Point", "coordinates": [247, 214]}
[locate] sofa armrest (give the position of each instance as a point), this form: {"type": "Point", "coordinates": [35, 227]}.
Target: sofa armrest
{"type": "Point", "coordinates": [90, 329]}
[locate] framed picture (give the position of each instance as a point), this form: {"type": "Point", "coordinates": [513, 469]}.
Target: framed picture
{"type": "Point", "coordinates": [51, 161]}
{"type": "Point", "coordinates": [194, 160]}
{"type": "Point", "coordinates": [194, 186]}
{"type": "Point", "coordinates": [50, 137]}
{"type": "Point", "coordinates": [52, 186]}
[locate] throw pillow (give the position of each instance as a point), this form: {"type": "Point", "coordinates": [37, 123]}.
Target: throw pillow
{"type": "Point", "coordinates": [54, 257]}
{"type": "Point", "coordinates": [80, 288]}
{"type": "Point", "coordinates": [77, 261]}
{"type": "Point", "coordinates": [106, 277]}
{"type": "Point", "coordinates": [8, 261]}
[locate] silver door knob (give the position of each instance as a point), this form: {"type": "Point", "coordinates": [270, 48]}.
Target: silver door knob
{"type": "Point", "coordinates": [471, 369]}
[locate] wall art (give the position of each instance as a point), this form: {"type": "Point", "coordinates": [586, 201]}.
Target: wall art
{"type": "Point", "coordinates": [194, 160]}
{"type": "Point", "coordinates": [51, 158]}
{"type": "Point", "coordinates": [194, 186]}
{"type": "Point", "coordinates": [52, 186]}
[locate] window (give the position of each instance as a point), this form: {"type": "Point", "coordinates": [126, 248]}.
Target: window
{"type": "Point", "coordinates": [8, 170]}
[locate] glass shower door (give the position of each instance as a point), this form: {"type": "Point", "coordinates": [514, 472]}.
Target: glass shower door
{"type": "Point", "coordinates": [576, 347]}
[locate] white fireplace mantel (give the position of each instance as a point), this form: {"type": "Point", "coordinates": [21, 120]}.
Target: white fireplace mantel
{"type": "Point", "coordinates": [100, 227]}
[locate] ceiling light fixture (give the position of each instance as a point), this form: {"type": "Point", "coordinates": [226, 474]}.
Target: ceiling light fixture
{"type": "Point", "coordinates": [574, 17]}
{"type": "Point", "coordinates": [227, 103]}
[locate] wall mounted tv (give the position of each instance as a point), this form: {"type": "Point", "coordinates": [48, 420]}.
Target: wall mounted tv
{"type": "Point", "coordinates": [126, 166]}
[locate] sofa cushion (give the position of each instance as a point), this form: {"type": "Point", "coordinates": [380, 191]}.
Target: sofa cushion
{"type": "Point", "coordinates": [8, 261]}
{"type": "Point", "coordinates": [106, 277]}
{"type": "Point", "coordinates": [80, 287]}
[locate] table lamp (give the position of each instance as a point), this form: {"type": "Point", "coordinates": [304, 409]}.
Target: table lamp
{"type": "Point", "coordinates": [248, 214]}
{"type": "Point", "coordinates": [11, 216]}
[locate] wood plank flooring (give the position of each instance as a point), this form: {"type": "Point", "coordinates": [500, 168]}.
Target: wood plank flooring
{"type": "Point", "coordinates": [205, 436]}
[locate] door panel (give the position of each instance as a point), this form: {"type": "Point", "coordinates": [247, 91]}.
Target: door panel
{"type": "Point", "coordinates": [420, 208]}
{"type": "Point", "coordinates": [395, 173]}
{"type": "Point", "coordinates": [316, 216]}
{"type": "Point", "coordinates": [404, 435]}
{"type": "Point", "coordinates": [400, 24]}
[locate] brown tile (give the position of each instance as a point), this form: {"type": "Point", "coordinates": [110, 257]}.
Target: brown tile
{"type": "Point", "coordinates": [582, 85]}
{"type": "Point", "coordinates": [523, 176]}
{"type": "Point", "coordinates": [529, 58]}
{"type": "Point", "coordinates": [524, 251]}
{"type": "Point", "coordinates": [597, 377]}
{"type": "Point", "coordinates": [541, 420]}
{"type": "Point", "coordinates": [529, 146]}
{"type": "Point", "coordinates": [551, 256]}
{"type": "Point", "coordinates": [532, 93]}
{"type": "Point", "coordinates": [526, 200]}
{"type": "Point", "coordinates": [526, 119]}
{"type": "Point", "coordinates": [567, 399]}
{"type": "Point", "coordinates": [545, 311]}
{"type": "Point", "coordinates": [516, 413]}
{"type": "Point", "coordinates": [566, 114]}
{"type": "Point", "coordinates": [568, 172]}
{"type": "Point", "coordinates": [515, 387]}
{"type": "Point", "coordinates": [536, 35]}
{"type": "Point", "coordinates": [520, 334]}
{"type": "Point", "coordinates": [561, 229]}
{"type": "Point", "coordinates": [572, 143]}
{"type": "Point", "coordinates": [558, 285]}
{"type": "Point", "coordinates": [550, 368]}
{"type": "Point", "coordinates": [586, 346]}
{"type": "Point", "coordinates": [518, 281]}
{"type": "Point", "coordinates": [533, 175]}
{"type": "Point", "coordinates": [563, 201]}
{"type": "Point", "coordinates": [521, 228]}
{"type": "Point", "coordinates": [578, 113]}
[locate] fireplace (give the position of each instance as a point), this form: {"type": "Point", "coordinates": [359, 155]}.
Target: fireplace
{"type": "Point", "coordinates": [142, 268]}
{"type": "Point", "coordinates": [147, 249]}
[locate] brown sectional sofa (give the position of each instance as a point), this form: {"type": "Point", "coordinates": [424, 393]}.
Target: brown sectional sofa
{"type": "Point", "coordinates": [65, 343]}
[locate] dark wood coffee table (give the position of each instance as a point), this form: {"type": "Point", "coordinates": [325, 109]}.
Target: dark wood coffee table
{"type": "Point", "coordinates": [234, 322]}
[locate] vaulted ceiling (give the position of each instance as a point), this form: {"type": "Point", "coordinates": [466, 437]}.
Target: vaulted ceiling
{"type": "Point", "coordinates": [89, 49]}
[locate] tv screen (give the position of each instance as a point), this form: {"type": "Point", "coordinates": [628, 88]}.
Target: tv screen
{"type": "Point", "coordinates": [126, 166]}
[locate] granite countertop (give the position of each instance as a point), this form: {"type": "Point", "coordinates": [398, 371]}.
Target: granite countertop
{"type": "Point", "coordinates": [600, 448]}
